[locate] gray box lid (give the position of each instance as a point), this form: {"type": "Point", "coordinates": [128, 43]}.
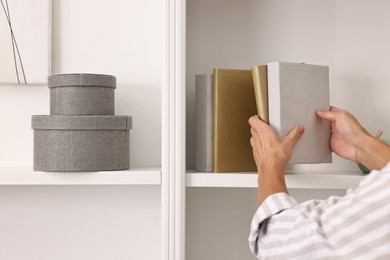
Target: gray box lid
{"type": "Point", "coordinates": [82, 79]}
{"type": "Point", "coordinates": [59, 122]}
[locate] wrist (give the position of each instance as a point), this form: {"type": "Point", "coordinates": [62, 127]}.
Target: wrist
{"type": "Point", "coordinates": [272, 168]}
{"type": "Point", "coordinates": [270, 181]}
{"type": "Point", "coordinates": [364, 147]}
{"type": "Point", "coordinates": [373, 153]}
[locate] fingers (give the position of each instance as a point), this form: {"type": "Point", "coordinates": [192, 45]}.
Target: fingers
{"type": "Point", "coordinates": [330, 115]}
{"type": "Point", "coordinates": [255, 121]}
{"type": "Point", "coordinates": [257, 125]}
{"type": "Point", "coordinates": [327, 115]}
{"type": "Point", "coordinates": [294, 135]}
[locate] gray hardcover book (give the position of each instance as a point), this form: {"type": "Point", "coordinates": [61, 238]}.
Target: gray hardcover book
{"type": "Point", "coordinates": [203, 122]}
{"type": "Point", "coordinates": [295, 91]}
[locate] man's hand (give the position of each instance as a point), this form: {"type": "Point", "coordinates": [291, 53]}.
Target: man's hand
{"type": "Point", "coordinates": [352, 142]}
{"type": "Point", "coordinates": [271, 154]}
{"type": "Point", "coordinates": [347, 133]}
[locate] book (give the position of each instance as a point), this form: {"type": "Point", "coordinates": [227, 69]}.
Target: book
{"type": "Point", "coordinates": [203, 122]}
{"type": "Point", "coordinates": [234, 103]}
{"type": "Point", "coordinates": [260, 84]}
{"type": "Point", "coordinates": [295, 91]}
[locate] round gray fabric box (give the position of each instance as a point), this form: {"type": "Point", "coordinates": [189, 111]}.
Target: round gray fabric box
{"type": "Point", "coordinates": [81, 143]}
{"type": "Point", "coordinates": [82, 94]}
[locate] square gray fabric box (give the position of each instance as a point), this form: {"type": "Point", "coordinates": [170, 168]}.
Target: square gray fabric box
{"type": "Point", "coordinates": [82, 94]}
{"type": "Point", "coordinates": [81, 143]}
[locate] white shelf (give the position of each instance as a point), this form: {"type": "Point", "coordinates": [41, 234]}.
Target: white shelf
{"type": "Point", "coordinates": [304, 180]}
{"type": "Point", "coordinates": [26, 176]}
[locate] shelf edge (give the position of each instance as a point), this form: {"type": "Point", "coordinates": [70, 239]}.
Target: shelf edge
{"type": "Point", "coordinates": [293, 181]}
{"type": "Point", "coordinates": [26, 176]}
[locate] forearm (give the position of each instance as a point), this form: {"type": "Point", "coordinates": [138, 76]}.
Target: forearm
{"type": "Point", "coordinates": [373, 153]}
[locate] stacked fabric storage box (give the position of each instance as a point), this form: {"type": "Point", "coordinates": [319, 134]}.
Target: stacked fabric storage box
{"type": "Point", "coordinates": [82, 132]}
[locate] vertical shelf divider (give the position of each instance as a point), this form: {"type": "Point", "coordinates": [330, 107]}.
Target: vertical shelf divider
{"type": "Point", "coordinates": [173, 133]}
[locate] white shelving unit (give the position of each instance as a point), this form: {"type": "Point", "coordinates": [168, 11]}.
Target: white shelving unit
{"type": "Point", "coordinates": [26, 176]}
{"type": "Point", "coordinates": [241, 34]}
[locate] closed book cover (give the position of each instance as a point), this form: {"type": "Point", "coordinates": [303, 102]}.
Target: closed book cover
{"type": "Point", "coordinates": [295, 91]}
{"type": "Point", "coordinates": [234, 103]}
{"type": "Point", "coordinates": [260, 84]}
{"type": "Point", "coordinates": [203, 122]}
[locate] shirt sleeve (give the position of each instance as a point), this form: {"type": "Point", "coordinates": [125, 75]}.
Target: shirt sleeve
{"type": "Point", "coordinates": [273, 204]}
{"type": "Point", "coordinates": [342, 227]}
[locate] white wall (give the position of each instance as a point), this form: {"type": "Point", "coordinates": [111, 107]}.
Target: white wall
{"type": "Point", "coordinates": [122, 38]}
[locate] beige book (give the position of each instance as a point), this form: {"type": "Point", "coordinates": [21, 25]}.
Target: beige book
{"type": "Point", "coordinates": [234, 103]}
{"type": "Point", "coordinates": [295, 91]}
{"type": "Point", "coordinates": [259, 74]}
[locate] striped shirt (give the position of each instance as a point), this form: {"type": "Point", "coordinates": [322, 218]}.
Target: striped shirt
{"type": "Point", "coordinates": [355, 226]}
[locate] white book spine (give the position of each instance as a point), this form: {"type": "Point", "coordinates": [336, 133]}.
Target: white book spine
{"type": "Point", "coordinates": [274, 105]}
{"type": "Point", "coordinates": [203, 122]}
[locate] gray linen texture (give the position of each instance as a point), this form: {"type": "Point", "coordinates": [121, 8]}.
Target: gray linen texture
{"type": "Point", "coordinates": [82, 94]}
{"type": "Point", "coordinates": [81, 143]}
{"type": "Point", "coordinates": [81, 122]}
{"type": "Point", "coordinates": [82, 79]}
{"type": "Point", "coordinates": [81, 133]}
{"type": "Point", "coordinates": [81, 150]}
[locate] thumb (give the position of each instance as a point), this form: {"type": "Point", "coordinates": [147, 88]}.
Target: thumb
{"type": "Point", "coordinates": [294, 135]}
{"type": "Point", "coordinates": [327, 115]}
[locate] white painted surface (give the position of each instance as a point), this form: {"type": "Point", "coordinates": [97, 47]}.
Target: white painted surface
{"type": "Point", "coordinates": [294, 180]}
{"type": "Point", "coordinates": [26, 176]}
{"type": "Point", "coordinates": [25, 54]}
{"type": "Point", "coordinates": [122, 38]}
{"type": "Point", "coordinates": [83, 222]}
